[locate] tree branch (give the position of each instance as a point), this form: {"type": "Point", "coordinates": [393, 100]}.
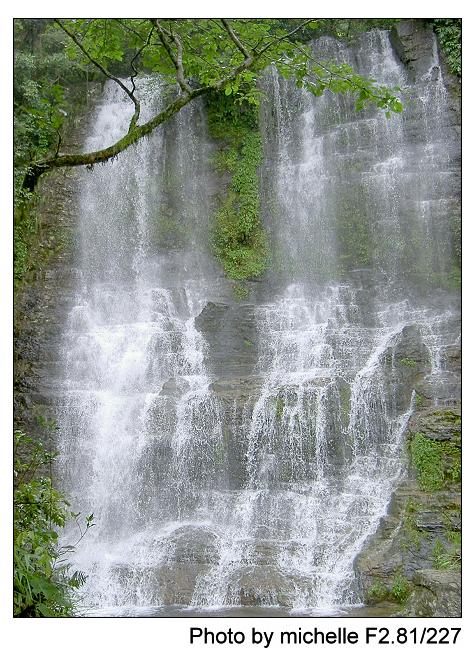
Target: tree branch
{"type": "Point", "coordinates": [60, 139]}
{"type": "Point", "coordinates": [176, 60]}
{"type": "Point", "coordinates": [284, 37]}
{"type": "Point", "coordinates": [235, 39]}
{"type": "Point", "coordinates": [135, 58]}
{"type": "Point", "coordinates": [36, 170]}
{"type": "Point", "coordinates": [129, 93]}
{"type": "Point", "coordinates": [135, 133]}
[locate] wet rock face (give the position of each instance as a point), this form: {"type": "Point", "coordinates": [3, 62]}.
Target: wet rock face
{"type": "Point", "coordinates": [412, 43]}
{"type": "Point", "coordinates": [230, 331]}
{"type": "Point", "coordinates": [438, 424]}
{"type": "Point", "coordinates": [44, 300]}
{"type": "Point", "coordinates": [436, 594]}
{"type": "Point", "coordinates": [42, 306]}
{"type": "Point", "coordinates": [263, 586]}
{"type": "Point", "coordinates": [408, 362]}
{"type": "Point", "coordinates": [418, 540]}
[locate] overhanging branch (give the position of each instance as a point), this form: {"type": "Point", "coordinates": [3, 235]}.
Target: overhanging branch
{"type": "Point", "coordinates": [177, 59]}
{"type": "Point", "coordinates": [136, 57]}
{"type": "Point", "coordinates": [235, 39]}
{"type": "Point", "coordinates": [135, 132]}
{"type": "Point", "coordinates": [129, 93]}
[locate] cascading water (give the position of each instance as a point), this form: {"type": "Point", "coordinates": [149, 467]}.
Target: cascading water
{"type": "Point", "coordinates": [263, 497]}
{"type": "Point", "coordinates": [140, 424]}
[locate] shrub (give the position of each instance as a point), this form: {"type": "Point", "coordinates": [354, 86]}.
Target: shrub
{"type": "Point", "coordinates": [401, 588]}
{"type": "Point", "coordinates": [43, 584]}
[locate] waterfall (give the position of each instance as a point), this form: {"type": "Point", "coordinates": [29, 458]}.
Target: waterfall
{"type": "Point", "coordinates": [140, 425]}
{"type": "Point", "coordinates": [217, 485]}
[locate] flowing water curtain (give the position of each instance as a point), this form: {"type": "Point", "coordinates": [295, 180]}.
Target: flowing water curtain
{"type": "Point", "coordinates": [140, 427]}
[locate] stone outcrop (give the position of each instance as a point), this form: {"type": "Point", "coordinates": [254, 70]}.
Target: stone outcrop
{"type": "Point", "coordinates": [418, 541]}
{"type": "Point", "coordinates": [436, 594]}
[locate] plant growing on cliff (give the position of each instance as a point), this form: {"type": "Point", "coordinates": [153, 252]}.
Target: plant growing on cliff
{"type": "Point", "coordinates": [400, 588]}
{"type": "Point", "coordinates": [438, 463]}
{"type": "Point", "coordinates": [197, 57]}
{"type": "Point", "coordinates": [427, 460]}
{"type": "Point", "coordinates": [408, 362]}
{"type": "Point", "coordinates": [449, 31]}
{"type": "Point", "coordinates": [376, 593]}
{"type": "Point", "coordinates": [240, 241]}
{"type": "Point", "coordinates": [447, 556]}
{"type": "Point", "coordinates": [43, 584]}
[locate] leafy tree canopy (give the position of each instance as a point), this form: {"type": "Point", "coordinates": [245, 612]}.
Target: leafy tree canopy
{"type": "Point", "coordinates": [197, 57]}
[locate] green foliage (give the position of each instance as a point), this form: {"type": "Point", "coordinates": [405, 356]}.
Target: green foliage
{"type": "Point", "coordinates": [208, 51]}
{"type": "Point", "coordinates": [241, 292]}
{"type": "Point", "coordinates": [400, 588]}
{"type": "Point", "coordinates": [376, 593]}
{"type": "Point", "coordinates": [413, 535]}
{"type": "Point", "coordinates": [209, 54]}
{"type": "Point", "coordinates": [408, 362]}
{"type": "Point", "coordinates": [43, 93]}
{"type": "Point", "coordinates": [230, 119]}
{"type": "Point", "coordinates": [427, 459]}
{"type": "Point", "coordinates": [438, 463]}
{"type": "Point", "coordinates": [419, 400]}
{"type": "Point", "coordinates": [240, 242]}
{"type": "Point", "coordinates": [43, 583]}
{"type": "Point", "coordinates": [447, 556]}
{"type": "Point", "coordinates": [449, 32]}
{"type": "Point", "coordinates": [44, 96]}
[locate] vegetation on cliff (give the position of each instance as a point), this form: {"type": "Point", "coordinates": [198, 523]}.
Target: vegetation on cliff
{"type": "Point", "coordinates": [449, 31]}
{"type": "Point", "coordinates": [239, 239]}
{"type": "Point", "coordinates": [48, 86]}
{"type": "Point", "coordinates": [43, 585]}
{"type": "Point", "coordinates": [418, 546]}
{"type": "Point", "coordinates": [437, 461]}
